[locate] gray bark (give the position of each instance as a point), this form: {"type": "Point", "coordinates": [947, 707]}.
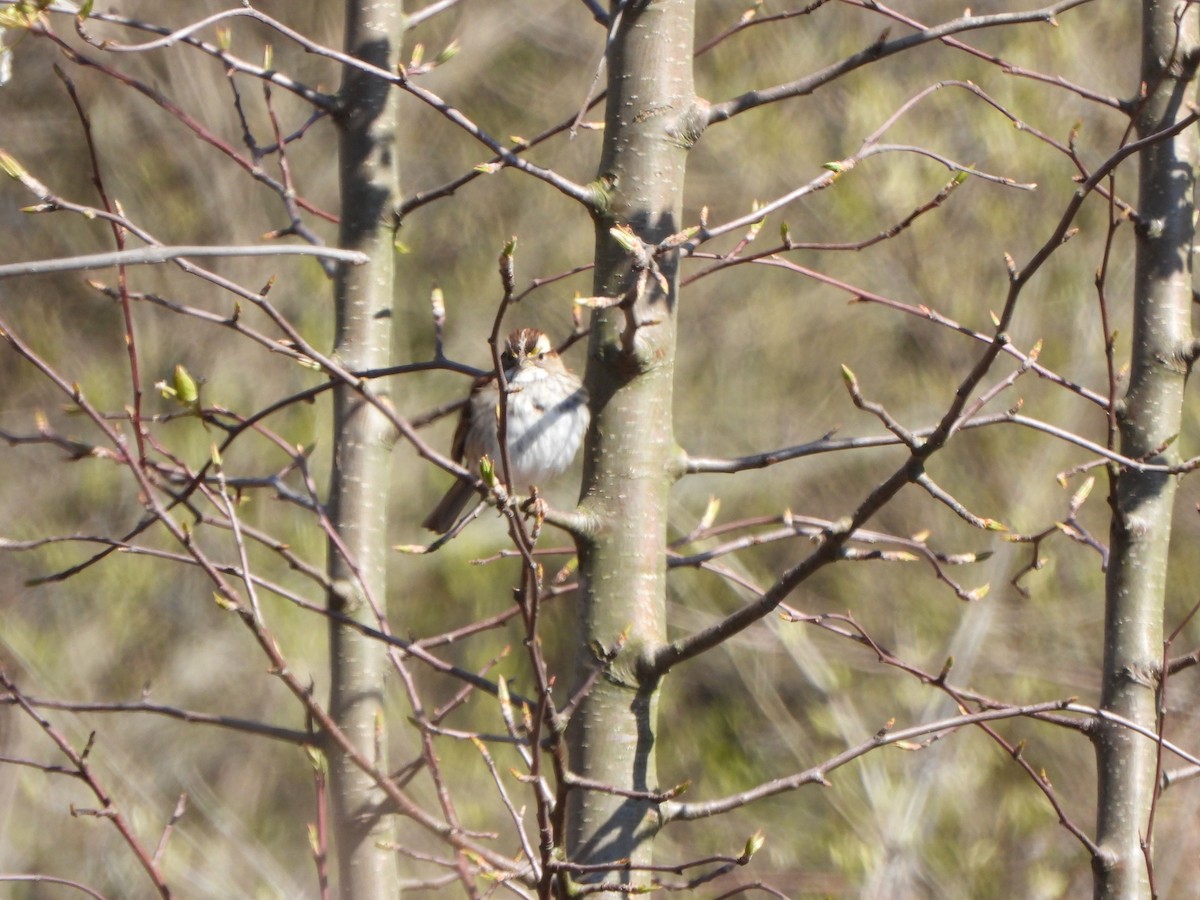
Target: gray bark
{"type": "Point", "coordinates": [362, 440]}
{"type": "Point", "coordinates": [630, 454]}
{"type": "Point", "coordinates": [1149, 417]}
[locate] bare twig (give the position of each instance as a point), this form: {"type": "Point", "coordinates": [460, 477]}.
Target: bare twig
{"type": "Point", "coordinates": [148, 256]}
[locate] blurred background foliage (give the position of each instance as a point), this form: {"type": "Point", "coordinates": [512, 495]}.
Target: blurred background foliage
{"type": "Point", "coordinates": [759, 363]}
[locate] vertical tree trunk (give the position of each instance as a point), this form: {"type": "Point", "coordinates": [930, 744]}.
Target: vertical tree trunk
{"type": "Point", "coordinates": [1149, 417]}
{"type": "Point", "coordinates": [362, 439]}
{"type": "Point", "coordinates": [649, 126]}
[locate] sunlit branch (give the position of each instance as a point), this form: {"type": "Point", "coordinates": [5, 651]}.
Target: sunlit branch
{"type": "Point", "coordinates": [846, 626]}
{"type": "Point", "coordinates": [882, 48]}
{"type": "Point", "coordinates": [1005, 66]}
{"type": "Point", "coordinates": [413, 19]}
{"type": "Point", "coordinates": [729, 465]}
{"type": "Point", "coordinates": [672, 812]}
{"type": "Point", "coordinates": [399, 79]}
{"type": "Point", "coordinates": [148, 256]}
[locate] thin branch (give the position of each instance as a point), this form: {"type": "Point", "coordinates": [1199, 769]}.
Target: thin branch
{"type": "Point", "coordinates": [412, 20]}
{"type": "Point", "coordinates": [42, 29]}
{"type": "Point", "coordinates": [324, 102]}
{"type": "Point", "coordinates": [84, 772]}
{"type": "Point", "coordinates": [689, 240]}
{"type": "Point", "coordinates": [1006, 67]}
{"type": "Point", "coordinates": [728, 465]}
{"type": "Point", "coordinates": [399, 79]}
{"type": "Point", "coordinates": [719, 112]}
{"type": "Point", "coordinates": [50, 879]}
{"type": "Point", "coordinates": [246, 726]}
{"type": "Point", "coordinates": [922, 311]}
{"type": "Point", "coordinates": [598, 11]}
{"type": "Point", "coordinates": [672, 811]}
{"type": "Point", "coordinates": [855, 632]}
{"type": "Point", "coordinates": [229, 599]}
{"type": "Point", "coordinates": [149, 256]}
{"type": "Point", "coordinates": [829, 550]}
{"type": "Point", "coordinates": [749, 19]}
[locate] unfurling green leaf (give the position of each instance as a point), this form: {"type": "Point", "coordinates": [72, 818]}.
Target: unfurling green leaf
{"type": "Point", "coordinates": [10, 166]}
{"type": "Point", "coordinates": [753, 844]}
{"type": "Point", "coordinates": [224, 602]}
{"type": "Point", "coordinates": [625, 237]}
{"type": "Point", "coordinates": [185, 386]}
{"type": "Point", "coordinates": [448, 53]}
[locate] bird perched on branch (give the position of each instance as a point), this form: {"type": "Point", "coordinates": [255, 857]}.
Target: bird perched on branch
{"type": "Point", "coordinates": [547, 416]}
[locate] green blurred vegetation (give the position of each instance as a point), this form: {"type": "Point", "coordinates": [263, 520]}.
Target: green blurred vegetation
{"type": "Point", "coordinates": [759, 363]}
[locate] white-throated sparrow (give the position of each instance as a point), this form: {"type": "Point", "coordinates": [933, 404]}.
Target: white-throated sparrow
{"type": "Point", "coordinates": [547, 418]}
